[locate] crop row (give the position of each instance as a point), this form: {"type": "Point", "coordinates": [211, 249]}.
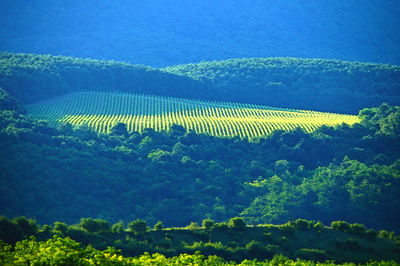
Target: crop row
{"type": "Point", "coordinates": [101, 110]}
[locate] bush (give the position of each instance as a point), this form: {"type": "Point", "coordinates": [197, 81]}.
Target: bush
{"type": "Point", "coordinates": [94, 225]}
{"type": "Point", "coordinates": [192, 226]}
{"type": "Point", "coordinates": [340, 226]}
{"type": "Point", "coordinates": [60, 227]}
{"type": "Point", "coordinates": [208, 224]}
{"type": "Point", "coordinates": [221, 226]}
{"type": "Point", "coordinates": [158, 226]}
{"type": "Point", "coordinates": [117, 227]}
{"type": "Point", "coordinates": [27, 226]}
{"type": "Point", "coordinates": [358, 229]}
{"type": "Point", "coordinates": [237, 223]}
{"type": "Point", "coordinates": [301, 224]}
{"type": "Point", "coordinates": [138, 227]}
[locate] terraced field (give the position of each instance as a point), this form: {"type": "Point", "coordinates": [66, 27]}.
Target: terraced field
{"type": "Point", "coordinates": [102, 110]}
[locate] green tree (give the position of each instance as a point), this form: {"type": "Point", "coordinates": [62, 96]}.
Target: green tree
{"type": "Point", "coordinates": [237, 223]}
{"type": "Point", "coordinates": [119, 129]}
{"type": "Point", "coordinates": [117, 227]}
{"type": "Point", "coordinates": [208, 224]}
{"type": "Point", "coordinates": [138, 227]}
{"type": "Point", "coordinates": [95, 225]}
{"type": "Point", "coordinates": [158, 226]}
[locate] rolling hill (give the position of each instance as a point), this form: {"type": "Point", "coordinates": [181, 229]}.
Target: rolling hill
{"type": "Point", "coordinates": [313, 84]}
{"type": "Point", "coordinates": [102, 110]}
{"type": "Point", "coordinates": [309, 84]}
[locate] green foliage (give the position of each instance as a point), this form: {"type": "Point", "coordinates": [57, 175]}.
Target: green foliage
{"type": "Point", "coordinates": [137, 227]}
{"type": "Point", "coordinates": [226, 244]}
{"type": "Point", "coordinates": [118, 227]}
{"type": "Point", "coordinates": [237, 223]}
{"type": "Point", "coordinates": [94, 225]}
{"type": "Point", "coordinates": [50, 76]}
{"type": "Point", "coordinates": [193, 226]}
{"type": "Point", "coordinates": [313, 84]}
{"type": "Point", "coordinates": [345, 172]}
{"type": "Point", "coordinates": [301, 224]}
{"type": "Point", "coordinates": [9, 103]}
{"type": "Point", "coordinates": [119, 129]}
{"type": "Point", "coordinates": [158, 226]}
{"type": "Point", "coordinates": [341, 226]}
{"type": "Point", "coordinates": [309, 84]}
{"type": "Point", "coordinates": [208, 224]}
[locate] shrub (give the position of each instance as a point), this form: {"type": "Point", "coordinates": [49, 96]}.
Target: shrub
{"type": "Point", "coordinates": [60, 227]}
{"type": "Point", "coordinates": [94, 225]}
{"type": "Point", "coordinates": [300, 224]}
{"type": "Point", "coordinates": [221, 226]}
{"type": "Point", "coordinates": [237, 223]}
{"type": "Point", "coordinates": [192, 226]}
{"type": "Point", "coordinates": [318, 225]}
{"type": "Point", "coordinates": [138, 227]}
{"type": "Point", "coordinates": [158, 226]}
{"type": "Point", "coordinates": [340, 226]}
{"type": "Point", "coordinates": [208, 224]}
{"type": "Point", "coordinates": [117, 227]}
{"type": "Point", "coordinates": [357, 229]}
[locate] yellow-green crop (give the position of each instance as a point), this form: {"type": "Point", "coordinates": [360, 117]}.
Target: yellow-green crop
{"type": "Point", "coordinates": [102, 110]}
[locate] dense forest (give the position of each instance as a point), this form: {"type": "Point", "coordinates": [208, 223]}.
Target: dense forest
{"type": "Point", "coordinates": [310, 84]}
{"type": "Point", "coordinates": [161, 32]}
{"type": "Point", "coordinates": [65, 173]}
{"type": "Point", "coordinates": [314, 84]}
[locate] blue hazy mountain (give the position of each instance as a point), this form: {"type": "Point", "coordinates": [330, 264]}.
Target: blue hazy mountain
{"type": "Point", "coordinates": [166, 32]}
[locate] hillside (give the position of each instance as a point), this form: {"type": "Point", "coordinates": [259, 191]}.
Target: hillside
{"type": "Point", "coordinates": [64, 173]}
{"type": "Point", "coordinates": [314, 84]}
{"type": "Point", "coordinates": [308, 84]}
{"type": "Point", "coordinates": [31, 78]}
{"type": "Point", "coordinates": [101, 111]}
{"type": "Point", "coordinates": [161, 33]}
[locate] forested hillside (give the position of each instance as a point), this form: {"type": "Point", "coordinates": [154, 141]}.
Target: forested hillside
{"type": "Point", "coordinates": [65, 173]}
{"type": "Point", "coordinates": [320, 85]}
{"type": "Point", "coordinates": [163, 32]}
{"type": "Point", "coordinates": [31, 78]}
{"type": "Point", "coordinates": [313, 84]}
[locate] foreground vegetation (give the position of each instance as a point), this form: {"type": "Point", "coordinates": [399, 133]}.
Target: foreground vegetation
{"type": "Point", "coordinates": [209, 243]}
{"type": "Point", "coordinates": [64, 251]}
{"type": "Point", "coordinates": [101, 111]}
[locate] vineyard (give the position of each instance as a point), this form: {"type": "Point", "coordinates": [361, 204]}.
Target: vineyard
{"type": "Point", "coordinates": [102, 110]}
